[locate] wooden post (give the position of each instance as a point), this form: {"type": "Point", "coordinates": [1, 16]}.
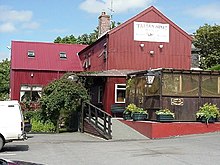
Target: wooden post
{"type": "Point", "coordinates": [82, 116]}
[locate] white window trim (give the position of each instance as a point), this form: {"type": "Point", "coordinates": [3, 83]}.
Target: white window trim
{"type": "Point", "coordinates": [31, 54]}
{"type": "Point", "coordinates": [30, 88]}
{"type": "Point", "coordinates": [63, 55]}
{"type": "Point", "coordinates": [116, 88]}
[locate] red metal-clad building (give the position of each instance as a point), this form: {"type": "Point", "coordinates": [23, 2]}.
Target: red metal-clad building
{"type": "Point", "coordinates": [148, 40]}
{"type": "Point", "coordinates": [35, 64]}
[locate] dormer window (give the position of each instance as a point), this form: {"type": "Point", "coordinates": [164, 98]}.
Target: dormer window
{"type": "Point", "coordinates": [62, 55]}
{"type": "Point", "coordinates": [31, 53]}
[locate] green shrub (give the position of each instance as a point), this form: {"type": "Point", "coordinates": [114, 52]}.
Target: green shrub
{"type": "Point", "coordinates": [38, 125]}
{"type": "Point", "coordinates": [208, 110]}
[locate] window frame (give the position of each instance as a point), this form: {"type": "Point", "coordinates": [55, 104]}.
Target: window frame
{"type": "Point", "coordinates": [63, 55]}
{"type": "Point", "coordinates": [119, 88]}
{"type": "Point", "coordinates": [31, 89]}
{"type": "Point", "coordinates": [31, 54]}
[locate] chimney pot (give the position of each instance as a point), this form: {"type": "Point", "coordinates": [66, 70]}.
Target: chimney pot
{"type": "Point", "coordinates": [104, 23]}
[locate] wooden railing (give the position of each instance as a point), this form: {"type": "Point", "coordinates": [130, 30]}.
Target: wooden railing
{"type": "Point", "coordinates": [98, 118]}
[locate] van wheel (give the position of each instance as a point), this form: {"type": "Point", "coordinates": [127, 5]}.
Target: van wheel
{"type": "Point", "coordinates": [1, 143]}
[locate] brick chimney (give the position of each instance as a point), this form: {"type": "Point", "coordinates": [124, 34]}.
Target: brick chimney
{"type": "Point", "coordinates": [104, 23]}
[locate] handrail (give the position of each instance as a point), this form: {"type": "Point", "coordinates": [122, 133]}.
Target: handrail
{"type": "Point", "coordinates": [98, 118]}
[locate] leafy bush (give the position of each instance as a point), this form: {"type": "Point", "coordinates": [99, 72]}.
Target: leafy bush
{"type": "Point", "coordinates": [216, 67]}
{"type": "Point", "coordinates": [62, 97]}
{"type": "Point", "coordinates": [39, 126]}
{"type": "Point", "coordinates": [37, 123]}
{"type": "Point", "coordinates": [207, 111]}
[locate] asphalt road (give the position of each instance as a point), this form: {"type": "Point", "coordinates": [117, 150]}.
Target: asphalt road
{"type": "Point", "coordinates": [82, 149]}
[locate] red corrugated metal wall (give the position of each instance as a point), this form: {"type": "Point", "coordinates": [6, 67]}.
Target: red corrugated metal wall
{"type": "Point", "coordinates": [24, 77]}
{"type": "Point", "coordinates": [96, 56]}
{"type": "Point", "coordinates": [125, 53]}
{"type": "Point", "coordinates": [109, 95]}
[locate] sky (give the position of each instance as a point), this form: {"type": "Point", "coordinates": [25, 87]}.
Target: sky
{"type": "Point", "coordinates": [45, 20]}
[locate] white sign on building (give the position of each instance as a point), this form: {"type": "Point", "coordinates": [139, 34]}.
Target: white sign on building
{"type": "Point", "coordinates": [153, 32]}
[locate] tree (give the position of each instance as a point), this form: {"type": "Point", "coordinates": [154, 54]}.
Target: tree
{"type": "Point", "coordinates": [62, 96]}
{"type": "Point", "coordinates": [4, 79]}
{"type": "Point", "coordinates": [86, 39]}
{"type": "Point", "coordinates": [207, 39]}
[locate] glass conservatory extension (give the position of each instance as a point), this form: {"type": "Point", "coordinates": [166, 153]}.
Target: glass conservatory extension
{"type": "Point", "coordinates": [181, 91]}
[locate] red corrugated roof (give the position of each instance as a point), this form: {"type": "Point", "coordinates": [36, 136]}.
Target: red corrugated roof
{"type": "Point", "coordinates": [47, 56]}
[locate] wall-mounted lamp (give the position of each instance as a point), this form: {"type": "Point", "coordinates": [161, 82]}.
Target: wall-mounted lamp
{"type": "Point", "coordinates": [160, 46]}
{"type": "Point", "coordinates": [150, 76]}
{"type": "Point", "coordinates": [142, 45]}
{"type": "Point", "coordinates": [151, 52]}
{"type": "Point", "coordinates": [32, 75]}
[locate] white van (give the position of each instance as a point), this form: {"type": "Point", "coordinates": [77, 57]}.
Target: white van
{"type": "Point", "coordinates": [11, 122]}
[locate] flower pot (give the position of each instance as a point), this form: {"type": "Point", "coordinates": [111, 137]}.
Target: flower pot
{"type": "Point", "coordinates": [139, 116]}
{"type": "Point", "coordinates": [204, 120]}
{"type": "Point", "coordinates": [127, 116]}
{"type": "Point", "coordinates": [164, 118]}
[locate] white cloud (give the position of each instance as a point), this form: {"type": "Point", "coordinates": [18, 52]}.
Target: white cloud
{"type": "Point", "coordinates": [12, 20]}
{"type": "Point", "coordinates": [208, 12]}
{"type": "Point", "coordinates": [96, 6]}
{"type": "Point", "coordinates": [7, 27]}
{"type": "Point", "coordinates": [30, 25]}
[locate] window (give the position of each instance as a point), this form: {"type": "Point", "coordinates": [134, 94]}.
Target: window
{"type": "Point", "coordinates": [86, 63]}
{"type": "Point", "coordinates": [100, 94]}
{"type": "Point", "coordinates": [30, 93]}
{"type": "Point", "coordinates": [31, 53]}
{"type": "Point", "coordinates": [63, 55]}
{"type": "Point", "coordinates": [120, 93]}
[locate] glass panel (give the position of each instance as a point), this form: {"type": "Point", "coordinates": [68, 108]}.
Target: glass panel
{"type": "Point", "coordinates": [62, 54]}
{"type": "Point", "coordinates": [26, 96]}
{"type": "Point", "coordinates": [21, 95]}
{"type": "Point", "coordinates": [35, 96]}
{"type": "Point", "coordinates": [209, 86]}
{"type": "Point", "coordinates": [121, 86]}
{"type": "Point", "coordinates": [31, 53]}
{"type": "Point", "coordinates": [120, 96]}
{"type": "Point", "coordinates": [180, 85]}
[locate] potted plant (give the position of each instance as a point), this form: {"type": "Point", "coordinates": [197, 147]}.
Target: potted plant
{"type": "Point", "coordinates": [127, 112]}
{"type": "Point", "coordinates": [164, 115]}
{"type": "Point", "coordinates": [137, 113]}
{"type": "Point", "coordinates": [127, 115]}
{"type": "Point", "coordinates": [208, 113]}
